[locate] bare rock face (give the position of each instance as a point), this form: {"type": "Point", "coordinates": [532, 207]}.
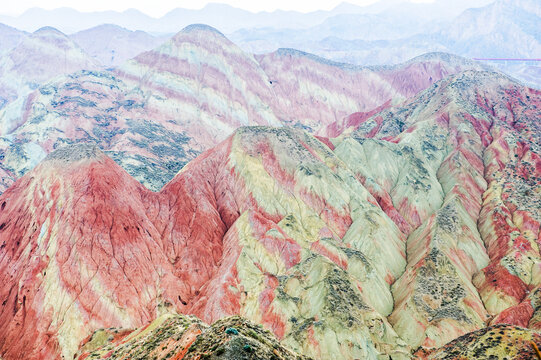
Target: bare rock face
{"type": "Point", "coordinates": [180, 337]}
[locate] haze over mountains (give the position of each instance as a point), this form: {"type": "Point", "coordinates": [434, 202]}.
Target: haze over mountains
{"type": "Point", "coordinates": [177, 196]}
{"type": "Point", "coordinates": [387, 32]}
{"type": "Point", "coordinates": [222, 16]}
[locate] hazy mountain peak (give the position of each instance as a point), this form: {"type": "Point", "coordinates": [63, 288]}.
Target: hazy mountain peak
{"type": "Point", "coordinates": [200, 28]}
{"type": "Point", "coordinates": [49, 30]}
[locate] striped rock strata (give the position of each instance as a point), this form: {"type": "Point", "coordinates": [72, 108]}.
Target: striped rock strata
{"type": "Point", "coordinates": [158, 111]}
{"type": "Point", "coordinates": [417, 225]}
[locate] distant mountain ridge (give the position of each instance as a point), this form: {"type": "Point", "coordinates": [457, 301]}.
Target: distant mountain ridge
{"type": "Point", "coordinates": [224, 17]}
{"type": "Point", "coordinates": [503, 28]}
{"type": "Point", "coordinates": [113, 45]}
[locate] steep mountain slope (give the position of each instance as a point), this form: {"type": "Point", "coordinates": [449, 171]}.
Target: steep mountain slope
{"type": "Point", "coordinates": [159, 110]}
{"type": "Point", "coordinates": [469, 197]}
{"type": "Point", "coordinates": [112, 45]}
{"type": "Point", "coordinates": [313, 92]}
{"type": "Point", "coordinates": [419, 227]}
{"type": "Point", "coordinates": [79, 250]}
{"type": "Point", "coordinates": [36, 59]}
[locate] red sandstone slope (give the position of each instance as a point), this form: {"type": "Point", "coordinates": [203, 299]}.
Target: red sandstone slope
{"type": "Point", "coordinates": [78, 252]}
{"type": "Point", "coordinates": [389, 242]}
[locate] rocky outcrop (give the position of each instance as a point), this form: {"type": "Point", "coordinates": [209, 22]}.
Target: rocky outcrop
{"type": "Point", "coordinates": [180, 337]}
{"type": "Point", "coordinates": [493, 342]}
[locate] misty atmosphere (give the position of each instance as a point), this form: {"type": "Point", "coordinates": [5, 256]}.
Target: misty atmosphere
{"type": "Point", "coordinates": [270, 180]}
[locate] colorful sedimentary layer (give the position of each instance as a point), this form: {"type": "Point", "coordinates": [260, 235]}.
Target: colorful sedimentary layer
{"type": "Point", "coordinates": [286, 253]}
{"type": "Point", "coordinates": [313, 92]}
{"type": "Point", "coordinates": [159, 110]}
{"type": "Point", "coordinates": [415, 225]}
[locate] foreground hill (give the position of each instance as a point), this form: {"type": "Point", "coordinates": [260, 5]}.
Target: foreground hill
{"type": "Point", "coordinates": [414, 226]}
{"type": "Point", "coordinates": [158, 111]}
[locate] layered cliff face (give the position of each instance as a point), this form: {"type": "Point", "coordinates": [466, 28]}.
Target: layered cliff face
{"type": "Point", "coordinates": [158, 111]}
{"type": "Point", "coordinates": [416, 224]}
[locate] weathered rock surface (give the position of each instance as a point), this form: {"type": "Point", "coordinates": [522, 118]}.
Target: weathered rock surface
{"type": "Point", "coordinates": [180, 337]}
{"type": "Point", "coordinates": [493, 342]}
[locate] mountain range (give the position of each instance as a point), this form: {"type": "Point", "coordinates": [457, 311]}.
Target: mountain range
{"type": "Point", "coordinates": [412, 226]}
{"type": "Point", "coordinates": [387, 32]}
{"type": "Point", "coordinates": [176, 196]}
{"type": "Point", "coordinates": [197, 88]}
{"type": "Point", "coordinates": [502, 29]}
{"type": "Point", "coordinates": [222, 16]}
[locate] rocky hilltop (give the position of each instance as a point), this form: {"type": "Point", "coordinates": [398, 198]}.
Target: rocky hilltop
{"type": "Point", "coordinates": [413, 225]}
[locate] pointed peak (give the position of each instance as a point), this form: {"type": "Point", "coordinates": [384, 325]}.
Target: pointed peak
{"type": "Point", "coordinates": [76, 152]}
